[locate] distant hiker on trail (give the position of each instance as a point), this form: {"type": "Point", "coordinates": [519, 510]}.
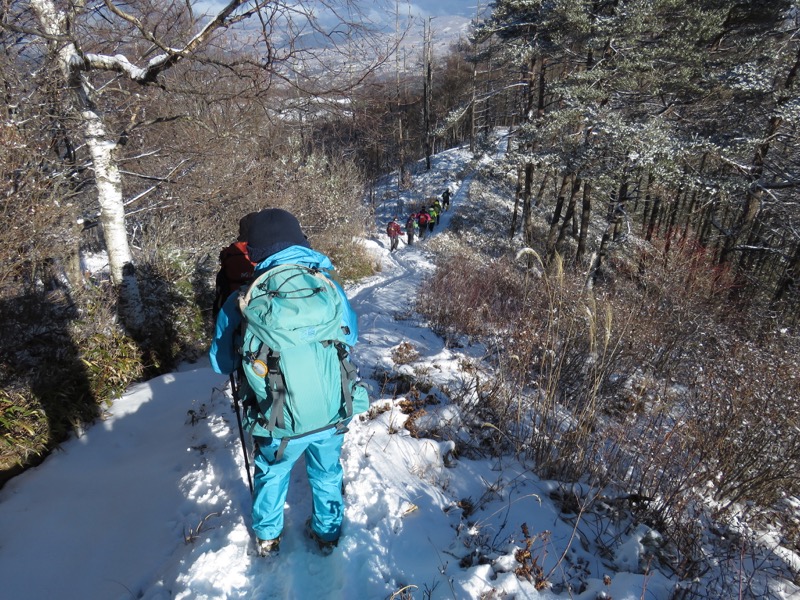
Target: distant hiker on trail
{"type": "Point", "coordinates": [236, 268]}
{"type": "Point", "coordinates": [423, 218]}
{"type": "Point", "coordinates": [434, 218]}
{"type": "Point", "coordinates": [412, 228]}
{"type": "Point", "coordinates": [394, 232]}
{"type": "Point", "coordinates": [438, 208]}
{"type": "Point", "coordinates": [446, 199]}
{"type": "Point", "coordinates": [298, 387]}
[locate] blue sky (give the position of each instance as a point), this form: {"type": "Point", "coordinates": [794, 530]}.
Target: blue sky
{"type": "Point", "coordinates": [461, 8]}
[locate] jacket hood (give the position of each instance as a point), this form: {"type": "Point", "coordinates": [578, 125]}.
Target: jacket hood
{"type": "Point", "coordinates": [299, 255]}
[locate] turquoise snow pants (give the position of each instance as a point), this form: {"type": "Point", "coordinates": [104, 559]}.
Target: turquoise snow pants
{"type": "Point", "coordinates": [325, 475]}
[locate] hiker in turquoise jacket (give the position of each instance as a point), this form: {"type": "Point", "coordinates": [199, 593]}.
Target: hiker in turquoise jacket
{"type": "Point", "coordinates": [275, 238]}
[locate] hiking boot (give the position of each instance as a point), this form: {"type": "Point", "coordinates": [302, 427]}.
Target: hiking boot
{"type": "Point", "coordinates": [268, 547]}
{"type": "Point", "coordinates": [325, 546]}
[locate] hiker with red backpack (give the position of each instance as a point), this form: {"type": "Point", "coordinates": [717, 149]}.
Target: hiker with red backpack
{"type": "Point", "coordinates": [394, 232]}
{"type": "Point", "coordinates": [424, 219]}
{"type": "Point", "coordinates": [236, 268]}
{"type": "Point", "coordinates": [299, 389]}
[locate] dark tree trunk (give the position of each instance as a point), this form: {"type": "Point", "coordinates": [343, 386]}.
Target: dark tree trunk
{"type": "Point", "coordinates": [517, 195]}
{"type": "Point", "coordinates": [540, 194]}
{"type": "Point", "coordinates": [706, 224]}
{"type": "Point", "coordinates": [551, 234]}
{"type": "Point", "coordinates": [599, 258]}
{"type": "Point", "coordinates": [586, 213]}
{"type": "Point", "coordinates": [790, 278]}
{"type": "Point", "coordinates": [569, 215]}
{"type": "Point", "coordinates": [618, 208]}
{"type": "Point", "coordinates": [527, 216]}
{"type": "Point", "coordinates": [673, 217]}
{"type": "Point", "coordinates": [427, 89]}
{"type": "Point", "coordinates": [651, 226]}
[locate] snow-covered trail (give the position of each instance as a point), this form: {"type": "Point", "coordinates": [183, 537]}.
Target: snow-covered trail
{"type": "Point", "coordinates": [388, 297]}
{"type": "Point", "coordinates": [153, 503]}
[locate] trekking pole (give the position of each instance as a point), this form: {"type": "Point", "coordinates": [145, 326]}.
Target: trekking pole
{"type": "Point", "coordinates": [235, 391]}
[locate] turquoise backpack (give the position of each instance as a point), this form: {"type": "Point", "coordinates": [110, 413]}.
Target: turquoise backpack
{"type": "Point", "coordinates": [295, 357]}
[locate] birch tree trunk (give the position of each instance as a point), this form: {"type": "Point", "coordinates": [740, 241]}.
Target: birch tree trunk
{"type": "Point", "coordinates": [112, 216]}
{"type": "Point", "coordinates": [101, 146]}
{"type": "Point", "coordinates": [57, 26]}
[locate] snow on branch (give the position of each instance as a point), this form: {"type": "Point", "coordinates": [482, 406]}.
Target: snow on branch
{"type": "Point", "coordinates": [170, 56]}
{"type": "Point", "coordinates": [118, 62]}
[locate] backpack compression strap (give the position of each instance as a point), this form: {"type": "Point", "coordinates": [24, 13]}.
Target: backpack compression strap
{"type": "Point", "coordinates": [349, 376]}
{"type": "Point", "coordinates": [277, 386]}
{"type": "Point", "coordinates": [340, 427]}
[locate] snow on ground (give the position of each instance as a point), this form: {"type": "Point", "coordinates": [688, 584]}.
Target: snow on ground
{"type": "Point", "coordinates": [153, 502]}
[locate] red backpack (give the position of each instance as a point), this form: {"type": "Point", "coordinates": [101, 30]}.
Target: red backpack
{"type": "Point", "coordinates": [236, 269]}
{"type": "Point", "coordinates": [424, 218]}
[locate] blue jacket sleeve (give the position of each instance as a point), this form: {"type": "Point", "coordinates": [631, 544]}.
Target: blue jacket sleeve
{"type": "Point", "coordinates": [223, 355]}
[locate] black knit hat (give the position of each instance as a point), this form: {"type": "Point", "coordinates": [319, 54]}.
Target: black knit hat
{"type": "Point", "coordinates": [244, 226]}
{"type": "Point", "coordinates": [273, 230]}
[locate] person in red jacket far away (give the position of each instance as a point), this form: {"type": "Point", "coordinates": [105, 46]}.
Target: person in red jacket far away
{"type": "Point", "coordinates": [394, 232]}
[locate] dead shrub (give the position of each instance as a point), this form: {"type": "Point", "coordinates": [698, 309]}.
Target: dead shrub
{"type": "Point", "coordinates": [529, 558]}
{"type": "Point", "coordinates": [394, 383]}
{"type": "Point", "coordinates": [404, 353]}
{"type": "Point", "coordinates": [469, 294]}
